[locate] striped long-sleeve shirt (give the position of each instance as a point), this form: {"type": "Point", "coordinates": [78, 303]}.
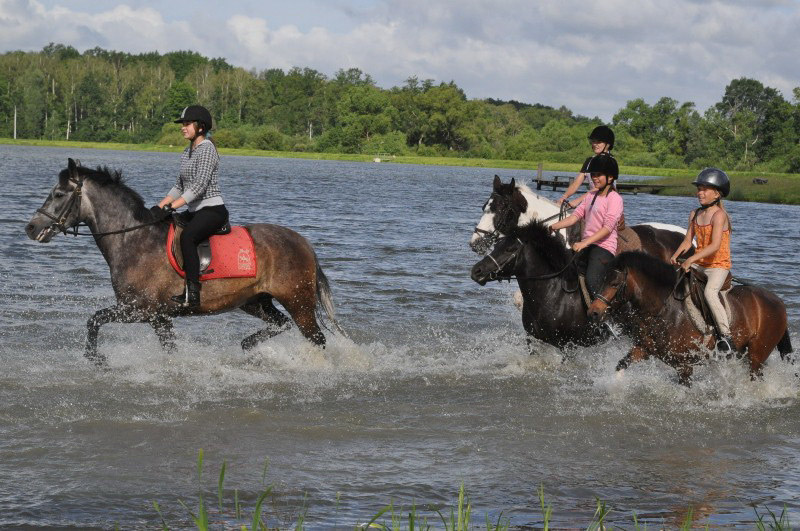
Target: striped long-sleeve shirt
{"type": "Point", "coordinates": [198, 181]}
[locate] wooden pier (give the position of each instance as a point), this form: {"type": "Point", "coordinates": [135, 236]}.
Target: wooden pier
{"type": "Point", "coordinates": [563, 181]}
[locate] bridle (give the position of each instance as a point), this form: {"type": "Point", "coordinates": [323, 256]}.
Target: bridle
{"type": "Point", "coordinates": [495, 275]}
{"type": "Point", "coordinates": [608, 301]}
{"type": "Point", "coordinates": [515, 256]}
{"type": "Point", "coordinates": [493, 236]}
{"type": "Point", "coordinates": [60, 218]}
{"type": "Point", "coordinates": [624, 284]}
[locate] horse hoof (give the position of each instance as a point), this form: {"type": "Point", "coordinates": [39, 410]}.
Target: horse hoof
{"type": "Point", "coordinates": [619, 374]}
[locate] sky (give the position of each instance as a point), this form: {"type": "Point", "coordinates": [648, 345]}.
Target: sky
{"type": "Point", "coordinates": [590, 56]}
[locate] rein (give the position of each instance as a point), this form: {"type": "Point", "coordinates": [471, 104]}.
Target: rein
{"type": "Point", "coordinates": [60, 219]}
{"type": "Point", "coordinates": [624, 283]}
{"type": "Point", "coordinates": [514, 256]}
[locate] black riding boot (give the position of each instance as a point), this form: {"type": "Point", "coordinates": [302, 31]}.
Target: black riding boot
{"type": "Point", "coordinates": [190, 298]}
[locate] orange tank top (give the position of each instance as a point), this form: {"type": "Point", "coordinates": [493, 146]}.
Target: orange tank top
{"type": "Point", "coordinates": [722, 258]}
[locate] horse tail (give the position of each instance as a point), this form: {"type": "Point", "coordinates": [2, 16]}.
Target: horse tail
{"type": "Point", "coordinates": [325, 299]}
{"type": "Point", "coordinates": [785, 345]}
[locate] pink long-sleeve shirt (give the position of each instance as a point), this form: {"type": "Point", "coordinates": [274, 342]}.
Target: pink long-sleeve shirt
{"type": "Point", "coordinates": [605, 213]}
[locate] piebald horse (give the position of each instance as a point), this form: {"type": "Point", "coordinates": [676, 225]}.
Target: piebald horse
{"type": "Point", "coordinates": [133, 244]}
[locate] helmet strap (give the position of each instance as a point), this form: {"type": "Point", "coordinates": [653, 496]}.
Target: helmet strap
{"type": "Point", "coordinates": [712, 203]}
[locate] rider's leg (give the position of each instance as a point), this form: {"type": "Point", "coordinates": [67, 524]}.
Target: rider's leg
{"type": "Point", "coordinates": [204, 223]}
{"type": "Point", "coordinates": [596, 265]}
{"type": "Point", "coordinates": [716, 277]}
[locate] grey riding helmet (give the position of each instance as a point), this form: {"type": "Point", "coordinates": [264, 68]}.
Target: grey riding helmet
{"type": "Point", "coordinates": [715, 178]}
{"type": "Point", "coordinates": [603, 133]}
{"type": "Point", "coordinates": [196, 113]}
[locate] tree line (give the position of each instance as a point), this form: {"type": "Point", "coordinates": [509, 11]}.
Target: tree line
{"type": "Point", "coordinates": [108, 96]}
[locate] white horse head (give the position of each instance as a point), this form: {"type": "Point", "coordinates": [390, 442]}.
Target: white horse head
{"type": "Point", "coordinates": [536, 207]}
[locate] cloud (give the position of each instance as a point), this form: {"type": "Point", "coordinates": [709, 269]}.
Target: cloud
{"type": "Point", "coordinates": [591, 57]}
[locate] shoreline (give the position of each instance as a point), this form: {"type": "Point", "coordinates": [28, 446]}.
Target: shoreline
{"type": "Point", "coordinates": [779, 188]}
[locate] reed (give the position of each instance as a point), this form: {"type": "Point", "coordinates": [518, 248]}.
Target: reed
{"type": "Point", "coordinates": [458, 517]}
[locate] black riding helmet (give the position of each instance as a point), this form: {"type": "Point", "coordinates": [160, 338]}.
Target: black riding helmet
{"type": "Point", "coordinates": [603, 133]}
{"type": "Point", "coordinates": [604, 163]}
{"type": "Point", "coordinates": [715, 178]}
{"type": "Point", "coordinates": [196, 113]}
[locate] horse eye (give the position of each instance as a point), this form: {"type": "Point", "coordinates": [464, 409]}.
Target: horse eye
{"type": "Point", "coordinates": [59, 194]}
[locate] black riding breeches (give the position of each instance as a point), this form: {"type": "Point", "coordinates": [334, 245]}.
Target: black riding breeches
{"type": "Point", "coordinates": [203, 223]}
{"type": "Point", "coordinates": [593, 263]}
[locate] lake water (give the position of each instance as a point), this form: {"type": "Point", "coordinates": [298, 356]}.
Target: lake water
{"type": "Point", "coordinates": [432, 389]}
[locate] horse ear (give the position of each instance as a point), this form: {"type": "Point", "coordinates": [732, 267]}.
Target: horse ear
{"type": "Point", "coordinates": [518, 200]}
{"type": "Point", "coordinates": [497, 183]}
{"type": "Point", "coordinates": [73, 168]}
{"type": "Point", "coordinates": [513, 185]}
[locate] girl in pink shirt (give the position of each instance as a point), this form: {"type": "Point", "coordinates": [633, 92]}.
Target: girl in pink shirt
{"type": "Point", "coordinates": [602, 209]}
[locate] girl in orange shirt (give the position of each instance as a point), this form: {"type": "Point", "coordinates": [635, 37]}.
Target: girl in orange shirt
{"type": "Point", "coordinates": [710, 226]}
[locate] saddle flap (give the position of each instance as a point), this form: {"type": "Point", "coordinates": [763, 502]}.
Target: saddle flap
{"type": "Point", "coordinates": [693, 288]}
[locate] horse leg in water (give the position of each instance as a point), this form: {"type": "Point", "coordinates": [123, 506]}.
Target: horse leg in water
{"type": "Point", "coordinates": [302, 311]}
{"type": "Point", "coordinates": [112, 314]}
{"type": "Point", "coordinates": [162, 325]}
{"type": "Point", "coordinates": [634, 355]}
{"type": "Point", "coordinates": [265, 310]}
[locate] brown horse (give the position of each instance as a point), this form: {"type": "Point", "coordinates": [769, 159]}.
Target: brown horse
{"type": "Point", "coordinates": [133, 244]}
{"type": "Point", "coordinates": [639, 293]}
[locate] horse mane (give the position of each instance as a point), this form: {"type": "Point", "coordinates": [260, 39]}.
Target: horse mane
{"type": "Point", "coordinates": [654, 268]}
{"type": "Point", "coordinates": [529, 194]}
{"type": "Point", "coordinates": [105, 177]}
{"type": "Point", "coordinates": [551, 246]}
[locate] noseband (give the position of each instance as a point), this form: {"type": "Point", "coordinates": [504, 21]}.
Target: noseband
{"type": "Point", "coordinates": [608, 301]}
{"type": "Point", "coordinates": [495, 275]}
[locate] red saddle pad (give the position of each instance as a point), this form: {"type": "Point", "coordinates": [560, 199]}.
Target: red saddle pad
{"type": "Point", "coordinates": [232, 255]}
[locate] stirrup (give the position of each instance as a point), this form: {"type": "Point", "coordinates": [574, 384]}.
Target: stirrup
{"type": "Point", "coordinates": [190, 298]}
{"type": "Point", "coordinates": [724, 346]}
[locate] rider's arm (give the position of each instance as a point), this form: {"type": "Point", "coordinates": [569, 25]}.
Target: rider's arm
{"type": "Point", "coordinates": [596, 237]}
{"type": "Point", "coordinates": [569, 221]}
{"type": "Point", "coordinates": [578, 201]}
{"type": "Point", "coordinates": [686, 244]}
{"type": "Point", "coordinates": [572, 188]}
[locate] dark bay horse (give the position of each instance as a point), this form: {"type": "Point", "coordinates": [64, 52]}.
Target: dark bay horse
{"type": "Point", "coordinates": [638, 292]}
{"type": "Point", "coordinates": [133, 244]}
{"type": "Point", "coordinates": [552, 310]}
{"type": "Point", "coordinates": [514, 204]}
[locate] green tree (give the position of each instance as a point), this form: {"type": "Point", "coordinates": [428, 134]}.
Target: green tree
{"type": "Point", "coordinates": [179, 96]}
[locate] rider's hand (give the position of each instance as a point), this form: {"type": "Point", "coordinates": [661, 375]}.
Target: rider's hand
{"type": "Point", "coordinates": [160, 213]}
{"type": "Point", "coordinates": [578, 246]}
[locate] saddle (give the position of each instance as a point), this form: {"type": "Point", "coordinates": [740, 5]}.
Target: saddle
{"type": "Point", "coordinates": [228, 253]}
{"type": "Point", "coordinates": [693, 286]}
